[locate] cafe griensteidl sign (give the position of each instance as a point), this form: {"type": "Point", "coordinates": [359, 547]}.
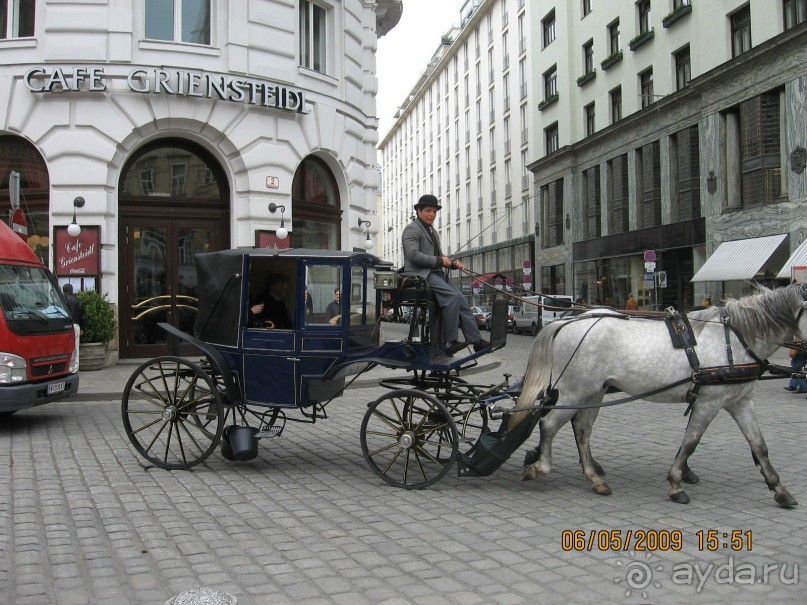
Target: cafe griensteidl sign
{"type": "Point", "coordinates": [177, 82]}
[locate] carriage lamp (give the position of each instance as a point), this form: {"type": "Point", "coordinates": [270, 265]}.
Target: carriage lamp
{"type": "Point", "coordinates": [282, 232]}
{"type": "Point", "coordinates": [74, 229]}
{"type": "Point", "coordinates": [368, 243]}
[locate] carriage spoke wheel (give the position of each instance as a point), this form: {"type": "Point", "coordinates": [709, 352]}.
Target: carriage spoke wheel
{"type": "Point", "coordinates": [409, 439]}
{"type": "Point", "coordinates": [172, 412]}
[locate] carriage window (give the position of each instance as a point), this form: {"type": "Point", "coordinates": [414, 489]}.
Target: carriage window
{"type": "Point", "coordinates": [362, 296]}
{"type": "Point", "coordinates": [323, 305]}
{"type": "Point", "coordinates": [272, 288]}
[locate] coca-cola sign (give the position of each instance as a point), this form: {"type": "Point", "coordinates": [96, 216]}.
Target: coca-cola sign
{"type": "Point", "coordinates": [79, 255]}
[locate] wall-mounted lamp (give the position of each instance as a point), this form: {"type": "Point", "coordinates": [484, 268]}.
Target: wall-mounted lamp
{"type": "Point", "coordinates": [368, 243]}
{"type": "Point", "coordinates": [73, 229]}
{"type": "Point", "coordinates": [282, 232]}
{"type": "Point", "coordinates": [568, 222]}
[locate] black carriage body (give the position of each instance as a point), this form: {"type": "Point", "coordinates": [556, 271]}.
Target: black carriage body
{"type": "Point", "coordinates": [285, 367]}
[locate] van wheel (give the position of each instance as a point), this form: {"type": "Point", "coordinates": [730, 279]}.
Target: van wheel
{"type": "Point", "coordinates": [534, 330]}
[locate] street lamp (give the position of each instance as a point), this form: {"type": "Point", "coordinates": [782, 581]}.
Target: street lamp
{"type": "Point", "coordinates": [73, 229]}
{"type": "Point", "coordinates": [368, 243]}
{"type": "Point", "coordinates": [282, 232]}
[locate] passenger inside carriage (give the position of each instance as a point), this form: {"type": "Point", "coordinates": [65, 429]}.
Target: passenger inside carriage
{"type": "Point", "coordinates": [268, 309]}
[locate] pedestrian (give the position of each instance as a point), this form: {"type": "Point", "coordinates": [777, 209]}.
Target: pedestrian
{"type": "Point", "coordinates": [631, 304]}
{"type": "Point", "coordinates": [424, 258]}
{"type": "Point", "coordinates": [707, 301]}
{"type": "Point", "coordinates": [798, 359]}
{"type": "Point", "coordinates": [75, 306]}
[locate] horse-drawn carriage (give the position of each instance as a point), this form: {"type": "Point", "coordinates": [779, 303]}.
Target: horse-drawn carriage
{"type": "Point", "coordinates": [253, 377]}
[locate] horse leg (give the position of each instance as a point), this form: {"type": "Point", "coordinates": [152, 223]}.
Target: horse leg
{"type": "Point", "coordinates": [539, 461]}
{"type": "Point", "coordinates": [582, 425]}
{"type": "Point", "coordinates": [746, 419]}
{"type": "Point", "coordinates": [700, 418]}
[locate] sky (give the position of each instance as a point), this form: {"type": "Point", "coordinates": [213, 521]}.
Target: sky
{"type": "Point", "coordinates": [404, 52]}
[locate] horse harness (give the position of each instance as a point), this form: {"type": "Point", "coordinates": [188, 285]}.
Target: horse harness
{"type": "Point", "coordinates": [683, 338]}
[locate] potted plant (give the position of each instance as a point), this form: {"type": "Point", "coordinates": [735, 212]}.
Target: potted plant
{"type": "Point", "coordinates": [99, 329]}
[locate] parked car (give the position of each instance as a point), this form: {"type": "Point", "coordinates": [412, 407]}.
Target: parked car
{"type": "Point", "coordinates": [481, 315]}
{"type": "Point", "coordinates": [538, 311]}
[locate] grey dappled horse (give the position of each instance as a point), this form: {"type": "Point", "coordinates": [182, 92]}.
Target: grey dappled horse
{"type": "Point", "coordinates": [582, 357]}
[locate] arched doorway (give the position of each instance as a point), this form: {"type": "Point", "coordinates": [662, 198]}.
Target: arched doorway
{"type": "Point", "coordinates": [173, 199]}
{"type": "Point", "coordinates": [18, 155]}
{"type": "Point", "coordinates": [317, 207]}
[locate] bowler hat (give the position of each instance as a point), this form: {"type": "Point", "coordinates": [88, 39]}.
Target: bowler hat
{"type": "Point", "coordinates": [427, 200]}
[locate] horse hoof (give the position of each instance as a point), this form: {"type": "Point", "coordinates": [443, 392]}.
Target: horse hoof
{"type": "Point", "coordinates": [690, 477]}
{"type": "Point", "coordinates": [785, 500]}
{"type": "Point", "coordinates": [529, 473]}
{"type": "Point", "coordinates": [680, 497]}
{"type": "Point", "coordinates": [601, 489]}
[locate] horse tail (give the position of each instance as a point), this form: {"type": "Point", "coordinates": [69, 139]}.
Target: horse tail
{"type": "Point", "coordinates": [539, 372]}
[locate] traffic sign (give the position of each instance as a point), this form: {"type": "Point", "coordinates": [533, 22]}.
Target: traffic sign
{"type": "Point", "coordinates": [649, 256]}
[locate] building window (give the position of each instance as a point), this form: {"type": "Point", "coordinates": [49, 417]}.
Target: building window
{"type": "Point", "coordinates": [586, 7]}
{"type": "Point", "coordinates": [741, 31]}
{"type": "Point", "coordinates": [679, 3]}
{"type": "Point", "coordinates": [592, 227]}
{"type": "Point", "coordinates": [551, 83]}
{"type": "Point", "coordinates": [613, 38]}
{"type": "Point", "coordinates": [17, 18]}
{"type": "Point", "coordinates": [795, 12]}
{"type": "Point", "coordinates": [685, 156]}
{"type": "Point", "coordinates": [616, 104]}
{"type": "Point", "coordinates": [682, 68]}
{"type": "Point", "coordinates": [182, 21]}
{"type": "Point", "coordinates": [649, 159]}
{"type": "Point", "coordinates": [760, 150]}
{"type": "Point", "coordinates": [645, 22]}
{"type": "Point", "coordinates": [313, 36]}
{"type": "Point", "coordinates": [549, 28]}
{"type": "Point", "coordinates": [646, 87]}
{"type": "Point", "coordinates": [588, 111]}
{"type": "Point", "coordinates": [551, 136]}
{"type": "Point", "coordinates": [620, 215]}
{"type": "Point", "coordinates": [588, 57]}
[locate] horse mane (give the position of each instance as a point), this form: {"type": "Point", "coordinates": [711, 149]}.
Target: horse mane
{"type": "Point", "coordinates": [766, 312]}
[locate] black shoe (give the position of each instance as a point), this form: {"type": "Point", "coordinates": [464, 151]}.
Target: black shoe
{"type": "Point", "coordinates": [480, 345]}
{"type": "Point", "coordinates": [791, 389]}
{"type": "Point", "coordinates": [455, 347]}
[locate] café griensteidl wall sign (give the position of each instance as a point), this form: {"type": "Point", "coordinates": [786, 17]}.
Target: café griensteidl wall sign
{"type": "Point", "coordinates": [168, 81]}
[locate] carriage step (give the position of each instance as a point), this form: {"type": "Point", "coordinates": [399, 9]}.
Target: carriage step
{"type": "Point", "coordinates": [270, 432]}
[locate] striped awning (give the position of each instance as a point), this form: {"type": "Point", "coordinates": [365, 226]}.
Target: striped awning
{"type": "Point", "coordinates": [797, 259]}
{"type": "Point", "coordinates": [740, 259]}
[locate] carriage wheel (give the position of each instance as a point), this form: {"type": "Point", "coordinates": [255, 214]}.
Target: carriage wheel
{"type": "Point", "coordinates": [409, 439]}
{"type": "Point", "coordinates": [172, 412]}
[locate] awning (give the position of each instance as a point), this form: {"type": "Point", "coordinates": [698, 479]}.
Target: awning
{"type": "Point", "coordinates": [797, 259]}
{"type": "Point", "coordinates": [740, 259]}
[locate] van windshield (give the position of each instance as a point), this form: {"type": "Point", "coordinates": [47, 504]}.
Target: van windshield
{"type": "Point", "coordinates": [28, 293]}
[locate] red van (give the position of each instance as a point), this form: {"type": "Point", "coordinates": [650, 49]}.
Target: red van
{"type": "Point", "coordinates": [38, 343]}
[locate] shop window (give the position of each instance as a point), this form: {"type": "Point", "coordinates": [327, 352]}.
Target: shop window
{"type": "Point", "coordinates": [313, 36]}
{"type": "Point", "coordinates": [180, 21]}
{"type": "Point", "coordinates": [18, 155]}
{"type": "Point", "coordinates": [17, 18]}
{"type": "Point", "coordinates": [317, 212]}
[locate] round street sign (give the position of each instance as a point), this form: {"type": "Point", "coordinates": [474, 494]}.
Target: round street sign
{"type": "Point", "coordinates": [528, 279]}
{"type": "Point", "coordinates": [527, 264]}
{"type": "Point", "coordinates": [649, 256]}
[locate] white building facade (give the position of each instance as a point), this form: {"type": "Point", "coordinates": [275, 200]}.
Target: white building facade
{"type": "Point", "coordinates": [607, 132]}
{"type": "Point", "coordinates": [181, 124]}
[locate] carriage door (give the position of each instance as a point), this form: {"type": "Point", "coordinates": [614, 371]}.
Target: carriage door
{"type": "Point", "coordinates": [162, 283]}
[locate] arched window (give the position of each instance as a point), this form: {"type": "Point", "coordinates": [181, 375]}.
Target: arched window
{"type": "Point", "coordinates": [317, 207]}
{"type": "Point", "coordinates": [18, 155]}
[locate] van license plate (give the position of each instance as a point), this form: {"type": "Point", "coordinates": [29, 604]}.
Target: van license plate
{"type": "Point", "coordinates": [56, 387]}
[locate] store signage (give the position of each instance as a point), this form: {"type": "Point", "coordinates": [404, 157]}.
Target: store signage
{"type": "Point", "coordinates": [78, 255]}
{"type": "Point", "coordinates": [171, 82]}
